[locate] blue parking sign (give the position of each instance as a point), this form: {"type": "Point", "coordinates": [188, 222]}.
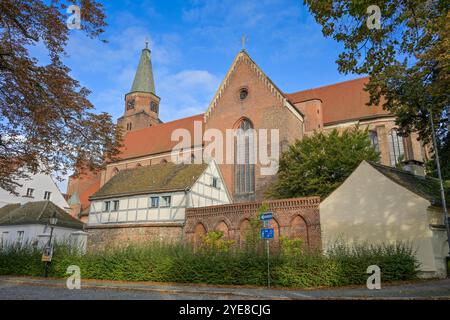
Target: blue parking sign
{"type": "Point", "coordinates": [266, 216]}
{"type": "Point", "coordinates": [267, 233]}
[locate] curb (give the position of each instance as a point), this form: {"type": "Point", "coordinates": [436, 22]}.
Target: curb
{"type": "Point", "coordinates": [87, 285]}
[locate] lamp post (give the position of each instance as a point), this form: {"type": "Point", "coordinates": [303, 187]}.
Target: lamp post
{"type": "Point", "coordinates": [48, 249]}
{"type": "Point", "coordinates": [441, 182]}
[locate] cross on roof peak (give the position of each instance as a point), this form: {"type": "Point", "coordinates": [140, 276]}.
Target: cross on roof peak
{"type": "Point", "coordinates": [244, 41]}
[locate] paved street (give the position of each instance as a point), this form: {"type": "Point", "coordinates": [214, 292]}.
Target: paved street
{"type": "Point", "coordinates": [35, 288]}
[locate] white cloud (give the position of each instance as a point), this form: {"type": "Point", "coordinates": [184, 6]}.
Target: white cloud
{"type": "Point", "coordinates": [186, 93]}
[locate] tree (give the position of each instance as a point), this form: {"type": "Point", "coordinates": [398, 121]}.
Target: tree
{"type": "Point", "coordinates": [317, 165]}
{"type": "Point", "coordinates": [47, 123]}
{"type": "Point", "coordinates": [444, 157]}
{"type": "Point", "coordinates": [407, 58]}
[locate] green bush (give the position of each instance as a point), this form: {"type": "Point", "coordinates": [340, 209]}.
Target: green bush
{"type": "Point", "coordinates": [161, 262]}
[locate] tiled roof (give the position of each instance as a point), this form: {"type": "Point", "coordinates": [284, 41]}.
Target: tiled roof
{"type": "Point", "coordinates": [39, 213]}
{"type": "Point", "coordinates": [424, 186]}
{"type": "Point", "coordinates": [157, 138]}
{"type": "Point", "coordinates": [8, 208]}
{"type": "Point", "coordinates": [151, 179]}
{"type": "Point", "coordinates": [84, 196]}
{"type": "Point", "coordinates": [342, 101]}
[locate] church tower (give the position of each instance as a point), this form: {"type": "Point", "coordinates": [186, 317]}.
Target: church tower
{"type": "Point", "coordinates": [141, 103]}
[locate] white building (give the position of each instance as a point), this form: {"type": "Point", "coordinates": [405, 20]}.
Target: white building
{"type": "Point", "coordinates": [380, 204]}
{"type": "Point", "coordinates": [158, 193]}
{"type": "Point", "coordinates": [29, 224]}
{"type": "Point", "coordinates": [39, 187]}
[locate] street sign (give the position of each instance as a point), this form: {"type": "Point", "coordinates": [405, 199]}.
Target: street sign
{"type": "Point", "coordinates": [266, 216]}
{"type": "Point", "coordinates": [267, 233]}
{"type": "Point", "coordinates": [47, 254]}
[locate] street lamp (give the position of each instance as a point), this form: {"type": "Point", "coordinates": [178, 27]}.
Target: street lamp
{"type": "Point", "coordinates": [53, 220]}
{"type": "Point", "coordinates": [48, 249]}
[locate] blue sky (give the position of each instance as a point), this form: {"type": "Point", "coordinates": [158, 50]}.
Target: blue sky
{"type": "Point", "coordinates": [193, 44]}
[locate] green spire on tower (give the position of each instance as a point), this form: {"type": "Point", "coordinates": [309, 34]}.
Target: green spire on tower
{"type": "Point", "coordinates": [143, 80]}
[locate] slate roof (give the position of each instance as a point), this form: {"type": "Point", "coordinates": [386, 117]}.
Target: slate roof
{"type": "Point", "coordinates": [38, 212]}
{"type": "Point", "coordinates": [166, 177]}
{"type": "Point", "coordinates": [424, 186]}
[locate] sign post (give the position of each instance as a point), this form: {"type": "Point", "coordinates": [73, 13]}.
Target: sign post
{"type": "Point", "coordinates": [267, 233]}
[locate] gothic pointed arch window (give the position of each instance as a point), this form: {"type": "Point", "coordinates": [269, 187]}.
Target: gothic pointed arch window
{"type": "Point", "coordinates": [396, 147]}
{"type": "Point", "coordinates": [244, 165]}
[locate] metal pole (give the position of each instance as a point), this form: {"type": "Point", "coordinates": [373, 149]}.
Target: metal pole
{"type": "Point", "coordinates": [47, 264]}
{"type": "Point", "coordinates": [268, 264]}
{"type": "Point", "coordinates": [438, 166]}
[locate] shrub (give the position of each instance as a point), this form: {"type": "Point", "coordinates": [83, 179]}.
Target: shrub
{"type": "Point", "coordinates": [178, 262]}
{"type": "Point", "coordinates": [291, 247]}
{"type": "Point", "coordinates": [213, 242]}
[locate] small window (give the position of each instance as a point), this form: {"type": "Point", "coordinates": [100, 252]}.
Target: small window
{"type": "Point", "coordinates": [165, 201]}
{"type": "Point", "coordinates": [106, 206]}
{"type": "Point", "coordinates": [47, 195]}
{"type": "Point", "coordinates": [20, 235]}
{"type": "Point", "coordinates": [215, 182]}
{"type": "Point", "coordinates": [30, 192]}
{"type": "Point", "coordinates": [243, 94]}
{"type": "Point", "coordinates": [154, 202]}
{"type": "Point", "coordinates": [4, 239]}
{"type": "Point", "coordinates": [115, 206]}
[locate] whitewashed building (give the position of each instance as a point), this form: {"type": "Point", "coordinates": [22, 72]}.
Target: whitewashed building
{"type": "Point", "coordinates": [38, 187]}
{"type": "Point", "coordinates": [28, 224]}
{"type": "Point", "coordinates": [158, 193]}
{"type": "Point", "coordinates": [379, 204]}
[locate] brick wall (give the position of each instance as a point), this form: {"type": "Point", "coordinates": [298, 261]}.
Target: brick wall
{"type": "Point", "coordinates": [294, 218]}
{"type": "Point", "coordinates": [107, 236]}
{"type": "Point", "coordinates": [264, 108]}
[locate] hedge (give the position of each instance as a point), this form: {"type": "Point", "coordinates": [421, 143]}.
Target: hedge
{"type": "Point", "coordinates": [181, 263]}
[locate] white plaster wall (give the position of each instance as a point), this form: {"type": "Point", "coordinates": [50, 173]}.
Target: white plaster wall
{"type": "Point", "coordinates": [34, 233]}
{"type": "Point", "coordinates": [203, 194]}
{"type": "Point", "coordinates": [40, 183]}
{"type": "Point", "coordinates": [137, 209]}
{"type": "Point", "coordinates": [370, 207]}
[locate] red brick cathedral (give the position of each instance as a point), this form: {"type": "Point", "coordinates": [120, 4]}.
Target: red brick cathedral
{"type": "Point", "coordinates": [246, 98]}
